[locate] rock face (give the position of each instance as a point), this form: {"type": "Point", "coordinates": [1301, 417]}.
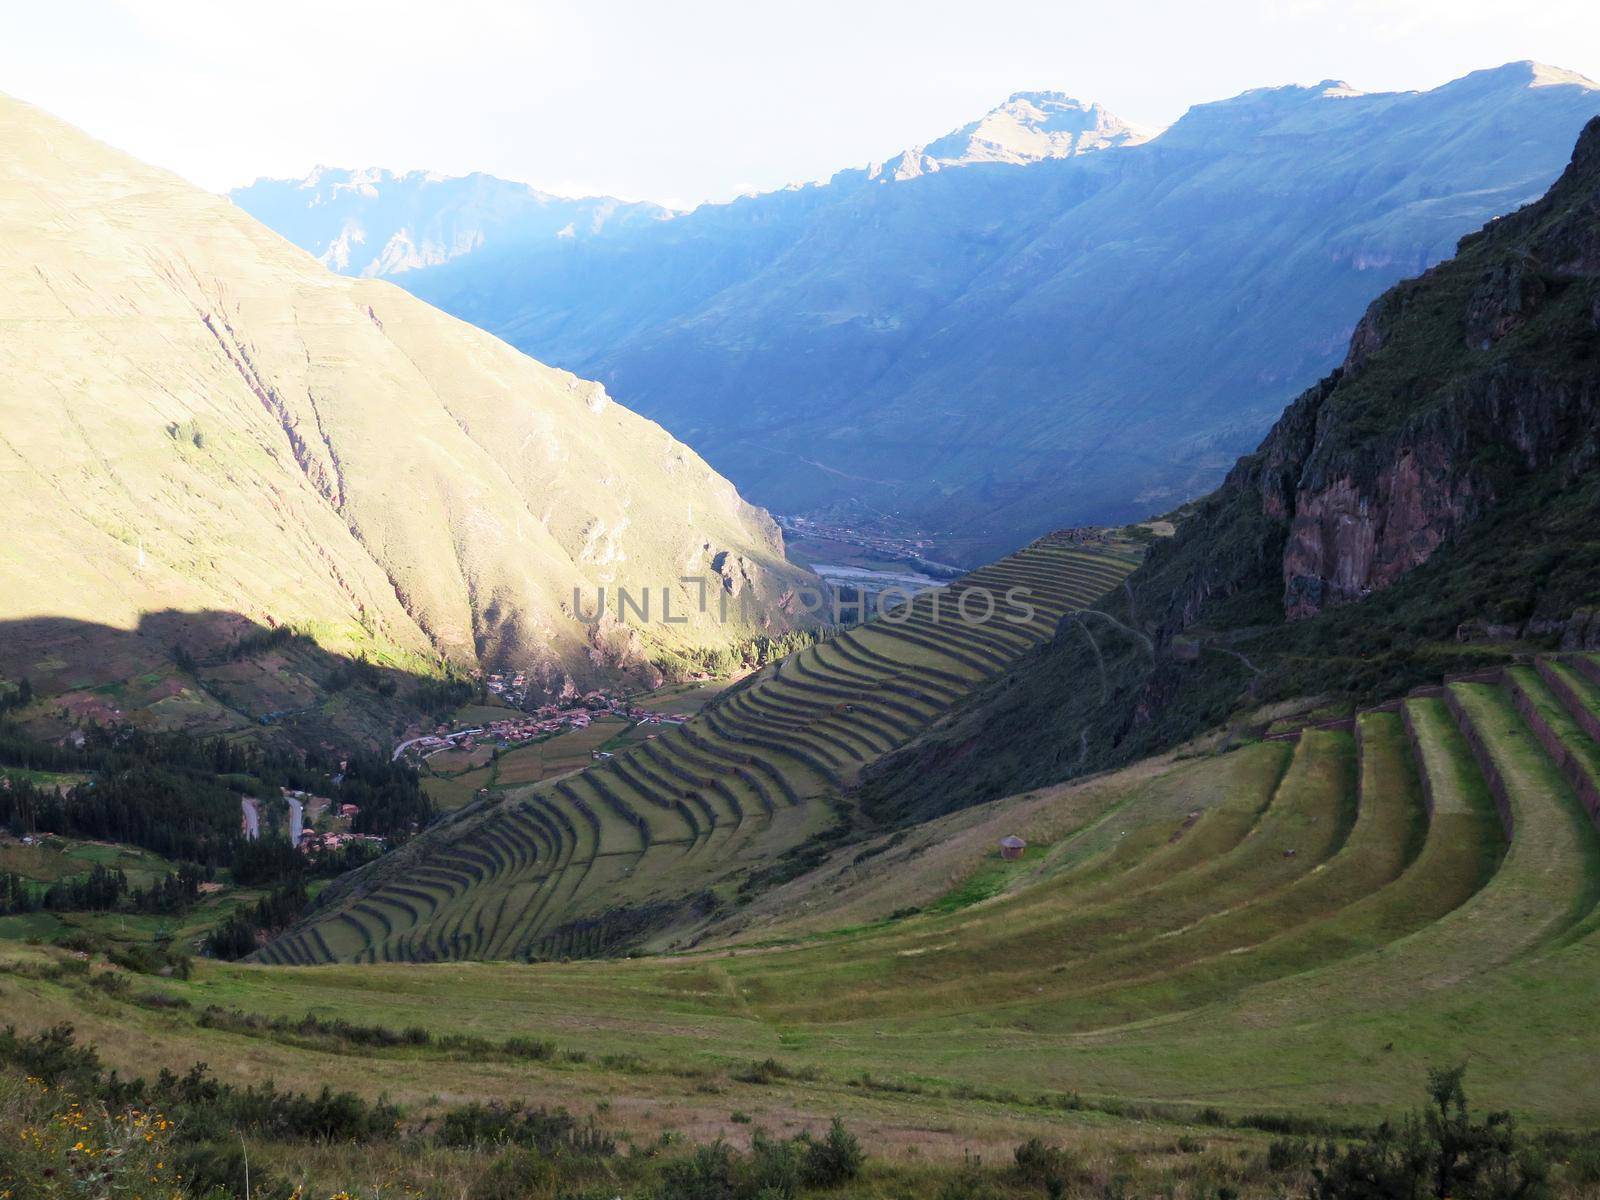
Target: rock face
{"type": "Point", "coordinates": [1033, 335]}
{"type": "Point", "coordinates": [1456, 386]}
{"type": "Point", "coordinates": [199, 417]}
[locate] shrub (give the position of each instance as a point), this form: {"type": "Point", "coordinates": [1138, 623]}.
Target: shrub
{"type": "Point", "coordinates": [769, 1071]}
{"type": "Point", "coordinates": [1287, 1156]}
{"type": "Point", "coordinates": [1043, 1163]}
{"type": "Point", "coordinates": [160, 1000]}
{"type": "Point", "coordinates": [777, 1169]}
{"type": "Point", "coordinates": [1439, 1152]}
{"type": "Point", "coordinates": [1579, 1154]}
{"type": "Point", "coordinates": [969, 1183]}
{"type": "Point", "coordinates": [530, 1048]}
{"type": "Point", "coordinates": [835, 1159]}
{"type": "Point", "coordinates": [552, 1134]}
{"type": "Point", "coordinates": [57, 1144]}
{"type": "Point", "coordinates": [707, 1174]}
{"type": "Point", "coordinates": [514, 1175]}
{"type": "Point", "coordinates": [53, 1056]}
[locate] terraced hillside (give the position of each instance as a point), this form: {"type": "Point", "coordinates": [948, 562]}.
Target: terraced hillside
{"type": "Point", "coordinates": [646, 846]}
{"type": "Point", "coordinates": [1296, 926]}
{"type": "Point", "coordinates": [1423, 843]}
{"type": "Point", "coordinates": [1272, 922]}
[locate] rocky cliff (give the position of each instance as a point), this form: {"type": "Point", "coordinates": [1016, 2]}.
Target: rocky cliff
{"type": "Point", "coordinates": [1458, 385]}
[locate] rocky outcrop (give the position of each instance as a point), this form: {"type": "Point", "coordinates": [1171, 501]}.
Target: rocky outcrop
{"type": "Point", "coordinates": [1459, 387]}
{"type": "Point", "coordinates": [1504, 298]}
{"type": "Point", "coordinates": [1581, 631]}
{"type": "Point", "coordinates": [1371, 504]}
{"type": "Point", "coordinates": [1364, 516]}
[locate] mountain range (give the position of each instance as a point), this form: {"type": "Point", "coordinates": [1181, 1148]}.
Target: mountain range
{"type": "Point", "coordinates": [1048, 316]}
{"type": "Point", "coordinates": [201, 419]}
{"type": "Point", "coordinates": [371, 223]}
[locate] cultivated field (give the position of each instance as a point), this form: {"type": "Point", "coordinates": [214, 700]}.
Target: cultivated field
{"type": "Point", "coordinates": [647, 846]}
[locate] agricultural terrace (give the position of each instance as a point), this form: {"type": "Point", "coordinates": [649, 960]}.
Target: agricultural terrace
{"type": "Point", "coordinates": [646, 845]}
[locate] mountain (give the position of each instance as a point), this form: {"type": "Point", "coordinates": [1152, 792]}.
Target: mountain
{"type": "Point", "coordinates": [379, 223]}
{"type": "Point", "coordinates": [199, 418]}
{"type": "Point", "coordinates": [1432, 505]}
{"type": "Point", "coordinates": [1029, 127]}
{"type": "Point", "coordinates": [998, 350]}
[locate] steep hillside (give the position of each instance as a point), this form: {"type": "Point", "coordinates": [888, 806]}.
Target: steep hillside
{"type": "Point", "coordinates": [379, 223]}
{"type": "Point", "coordinates": [667, 835]}
{"type": "Point", "coordinates": [196, 416]}
{"type": "Point", "coordinates": [1432, 505]}
{"type": "Point", "coordinates": [1030, 340]}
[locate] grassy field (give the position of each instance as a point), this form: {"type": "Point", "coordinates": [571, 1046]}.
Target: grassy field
{"type": "Point", "coordinates": [454, 779]}
{"type": "Point", "coordinates": [684, 698]}
{"type": "Point", "coordinates": [55, 858]}
{"type": "Point", "coordinates": [53, 780]}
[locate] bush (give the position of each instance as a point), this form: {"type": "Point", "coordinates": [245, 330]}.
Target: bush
{"type": "Point", "coordinates": [1043, 1163]}
{"type": "Point", "coordinates": [58, 1144]}
{"type": "Point", "coordinates": [516, 1174]}
{"type": "Point", "coordinates": [707, 1174]}
{"type": "Point", "coordinates": [1440, 1152]}
{"type": "Point", "coordinates": [836, 1159]}
{"type": "Point", "coordinates": [552, 1134]}
{"type": "Point", "coordinates": [536, 1049]}
{"type": "Point", "coordinates": [1579, 1154]}
{"type": "Point", "coordinates": [1287, 1156]}
{"type": "Point", "coordinates": [777, 1169]}
{"type": "Point", "coordinates": [769, 1071]}
{"type": "Point", "coordinates": [53, 1056]}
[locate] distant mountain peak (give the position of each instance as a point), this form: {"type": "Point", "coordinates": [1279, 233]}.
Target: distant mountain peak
{"type": "Point", "coordinates": [1544, 75]}
{"type": "Point", "coordinates": [1337, 89]}
{"type": "Point", "coordinates": [1029, 127]}
{"type": "Point", "coordinates": [1519, 76]}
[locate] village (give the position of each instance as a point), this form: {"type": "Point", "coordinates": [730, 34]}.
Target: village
{"type": "Point", "coordinates": [306, 812]}
{"type": "Point", "coordinates": [518, 728]}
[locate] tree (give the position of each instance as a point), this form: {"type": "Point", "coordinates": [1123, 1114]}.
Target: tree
{"type": "Point", "coordinates": [1440, 1152]}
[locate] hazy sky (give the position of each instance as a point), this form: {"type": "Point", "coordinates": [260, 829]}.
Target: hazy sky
{"type": "Point", "coordinates": [684, 100]}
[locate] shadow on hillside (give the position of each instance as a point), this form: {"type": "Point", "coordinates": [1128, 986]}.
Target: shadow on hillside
{"type": "Point", "coordinates": [212, 672]}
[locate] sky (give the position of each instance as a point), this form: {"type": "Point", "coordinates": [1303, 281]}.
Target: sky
{"type": "Point", "coordinates": [694, 100]}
